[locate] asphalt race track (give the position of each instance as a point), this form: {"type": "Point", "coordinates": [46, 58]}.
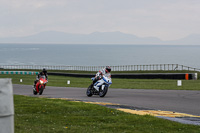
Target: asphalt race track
{"type": "Point", "coordinates": [181, 101]}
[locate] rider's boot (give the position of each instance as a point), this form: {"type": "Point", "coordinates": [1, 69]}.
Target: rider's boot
{"type": "Point", "coordinates": [34, 86]}
{"type": "Point", "coordinates": [96, 88]}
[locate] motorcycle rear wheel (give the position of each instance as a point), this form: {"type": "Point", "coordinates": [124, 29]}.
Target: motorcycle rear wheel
{"type": "Point", "coordinates": [89, 92]}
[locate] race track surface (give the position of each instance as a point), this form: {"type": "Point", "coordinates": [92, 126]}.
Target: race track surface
{"type": "Point", "coordinates": [182, 101]}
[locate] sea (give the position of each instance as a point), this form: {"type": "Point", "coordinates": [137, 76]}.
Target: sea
{"type": "Point", "coordinates": [98, 55]}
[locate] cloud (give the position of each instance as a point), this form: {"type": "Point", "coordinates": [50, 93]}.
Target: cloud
{"type": "Point", "coordinates": [167, 19]}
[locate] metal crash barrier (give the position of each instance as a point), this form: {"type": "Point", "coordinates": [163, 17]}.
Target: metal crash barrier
{"type": "Point", "coordinates": [186, 76]}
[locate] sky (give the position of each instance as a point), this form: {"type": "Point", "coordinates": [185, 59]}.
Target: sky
{"type": "Point", "coordinates": [165, 19]}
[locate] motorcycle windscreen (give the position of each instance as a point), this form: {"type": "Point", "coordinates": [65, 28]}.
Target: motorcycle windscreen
{"type": "Point", "coordinates": [43, 76]}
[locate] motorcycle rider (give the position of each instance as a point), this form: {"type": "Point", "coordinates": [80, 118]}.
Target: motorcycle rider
{"type": "Point", "coordinates": [44, 72]}
{"type": "Point", "coordinates": [99, 75]}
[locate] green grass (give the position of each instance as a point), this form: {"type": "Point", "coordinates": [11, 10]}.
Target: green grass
{"type": "Point", "coordinates": [162, 84]}
{"type": "Point", "coordinates": [117, 83]}
{"type": "Point", "coordinates": [42, 115]}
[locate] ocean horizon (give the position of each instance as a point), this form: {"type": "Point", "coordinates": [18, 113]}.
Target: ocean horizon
{"type": "Point", "coordinates": [98, 55]}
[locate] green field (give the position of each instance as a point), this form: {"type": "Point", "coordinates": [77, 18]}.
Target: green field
{"type": "Point", "coordinates": [117, 83]}
{"type": "Point", "coordinates": [42, 115]}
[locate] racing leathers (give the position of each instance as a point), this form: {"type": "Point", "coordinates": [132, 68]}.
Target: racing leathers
{"type": "Point", "coordinates": [99, 76]}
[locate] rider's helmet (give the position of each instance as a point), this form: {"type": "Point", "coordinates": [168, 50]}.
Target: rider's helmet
{"type": "Point", "coordinates": [44, 71]}
{"type": "Point", "coordinates": [108, 69]}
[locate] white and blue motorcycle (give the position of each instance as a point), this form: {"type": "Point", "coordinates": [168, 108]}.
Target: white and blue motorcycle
{"type": "Point", "coordinates": [100, 87]}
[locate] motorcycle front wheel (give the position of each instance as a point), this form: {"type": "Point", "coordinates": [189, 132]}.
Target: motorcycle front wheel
{"type": "Point", "coordinates": [41, 90]}
{"type": "Point", "coordinates": [89, 92]}
{"type": "Point", "coordinates": [103, 92]}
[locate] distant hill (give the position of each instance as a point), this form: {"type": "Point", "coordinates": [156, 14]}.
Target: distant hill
{"type": "Point", "coordinates": [193, 39]}
{"type": "Point", "coordinates": [96, 38]}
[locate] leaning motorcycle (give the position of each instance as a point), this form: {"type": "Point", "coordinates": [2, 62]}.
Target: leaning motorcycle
{"type": "Point", "coordinates": [106, 82]}
{"type": "Point", "coordinates": [40, 85]}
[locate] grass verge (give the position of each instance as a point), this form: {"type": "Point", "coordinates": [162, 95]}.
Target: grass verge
{"type": "Point", "coordinates": [42, 115]}
{"type": "Point", "coordinates": [61, 81]}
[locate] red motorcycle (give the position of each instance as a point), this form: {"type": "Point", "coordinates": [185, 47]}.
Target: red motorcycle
{"type": "Point", "coordinates": [40, 85]}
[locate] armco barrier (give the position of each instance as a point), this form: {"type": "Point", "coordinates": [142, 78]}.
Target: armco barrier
{"type": "Point", "coordinates": [186, 76]}
{"type": "Point", "coordinates": [19, 72]}
{"type": "Point", "coordinates": [137, 76]}
{"type": "Point", "coordinates": [156, 76]}
{"type": "Point", "coordinates": [72, 74]}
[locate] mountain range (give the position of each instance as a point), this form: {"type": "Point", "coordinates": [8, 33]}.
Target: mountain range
{"type": "Point", "coordinates": [55, 37]}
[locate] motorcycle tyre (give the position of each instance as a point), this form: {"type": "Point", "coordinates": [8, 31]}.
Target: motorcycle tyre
{"type": "Point", "coordinates": [88, 92]}
{"type": "Point", "coordinates": [41, 90]}
{"type": "Point", "coordinates": [103, 92]}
